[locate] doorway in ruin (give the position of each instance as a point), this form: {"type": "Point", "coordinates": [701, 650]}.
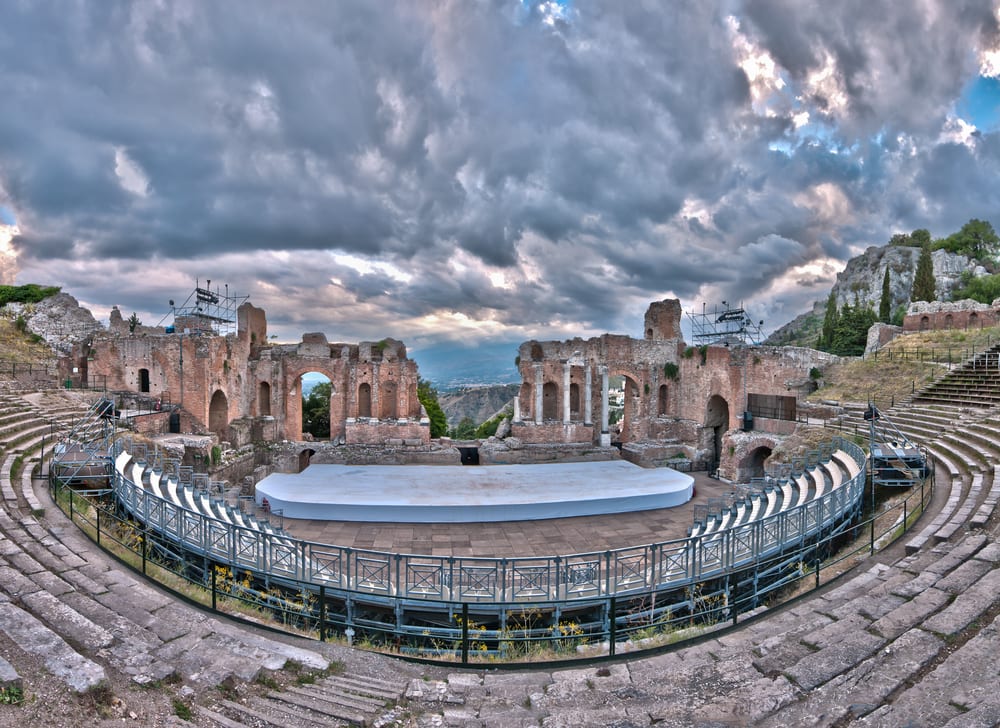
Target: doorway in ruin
{"type": "Point", "coordinates": [717, 422]}
{"type": "Point", "coordinates": [218, 414]}
{"type": "Point", "coordinates": [387, 400]}
{"type": "Point", "coordinates": [317, 389]}
{"type": "Point", "coordinates": [550, 401]}
{"type": "Point", "coordinates": [752, 466]}
{"type": "Point", "coordinates": [364, 400]}
{"type": "Point", "coordinates": [661, 400]}
{"type": "Point", "coordinates": [264, 399]}
{"type": "Point", "coordinates": [305, 457]}
{"type": "Point", "coordinates": [574, 401]}
{"type": "Point", "coordinates": [624, 406]}
{"type": "Point", "coordinates": [143, 380]}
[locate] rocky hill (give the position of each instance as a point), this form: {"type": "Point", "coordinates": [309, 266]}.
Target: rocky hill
{"type": "Point", "coordinates": [861, 281]}
{"type": "Point", "coordinates": [478, 403]}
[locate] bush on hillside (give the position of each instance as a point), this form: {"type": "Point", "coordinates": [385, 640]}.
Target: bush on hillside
{"type": "Point", "coordinates": [28, 293]}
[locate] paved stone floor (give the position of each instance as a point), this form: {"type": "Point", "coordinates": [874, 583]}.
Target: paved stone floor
{"type": "Point", "coordinates": [515, 538]}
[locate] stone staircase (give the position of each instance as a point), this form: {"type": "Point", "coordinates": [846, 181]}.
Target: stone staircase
{"type": "Point", "coordinates": [976, 383]}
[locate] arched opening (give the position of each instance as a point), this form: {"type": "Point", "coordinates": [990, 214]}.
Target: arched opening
{"type": "Point", "coordinates": [143, 380]}
{"type": "Point", "coordinates": [387, 400]}
{"type": "Point", "coordinates": [626, 406]}
{"type": "Point", "coordinates": [364, 400]}
{"type": "Point", "coordinates": [661, 406]}
{"type": "Point", "coordinates": [550, 401]}
{"type": "Point", "coordinates": [973, 320]}
{"type": "Point", "coordinates": [948, 321]}
{"type": "Point", "coordinates": [717, 424]}
{"type": "Point", "coordinates": [264, 399]}
{"type": "Point", "coordinates": [752, 465]}
{"type": "Point", "coordinates": [305, 457]}
{"type": "Point", "coordinates": [317, 389]}
{"type": "Point", "coordinates": [218, 414]}
{"type": "Point", "coordinates": [574, 401]}
{"type": "Point", "coordinates": [925, 323]}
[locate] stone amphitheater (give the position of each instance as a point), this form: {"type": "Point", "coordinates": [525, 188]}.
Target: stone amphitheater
{"type": "Point", "coordinates": [909, 638]}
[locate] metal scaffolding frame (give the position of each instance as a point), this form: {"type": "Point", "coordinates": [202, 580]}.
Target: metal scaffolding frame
{"type": "Point", "coordinates": [730, 324]}
{"type": "Point", "coordinates": [214, 311]}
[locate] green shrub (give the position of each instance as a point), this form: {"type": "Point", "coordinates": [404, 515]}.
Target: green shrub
{"type": "Point", "coordinates": [671, 370]}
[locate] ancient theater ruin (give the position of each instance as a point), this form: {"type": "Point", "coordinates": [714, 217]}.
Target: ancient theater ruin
{"type": "Point", "coordinates": [719, 404]}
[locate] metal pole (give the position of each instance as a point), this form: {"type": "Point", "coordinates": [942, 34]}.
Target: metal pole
{"type": "Point", "coordinates": [465, 633]}
{"type": "Point", "coordinates": [98, 510]}
{"type": "Point", "coordinates": [322, 613]}
{"type": "Point", "coordinates": [212, 567]}
{"type": "Point", "coordinates": [612, 626]}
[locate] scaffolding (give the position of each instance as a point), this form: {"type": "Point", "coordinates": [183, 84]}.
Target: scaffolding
{"type": "Point", "coordinates": [729, 325]}
{"type": "Point", "coordinates": [895, 460]}
{"type": "Point", "coordinates": [206, 311]}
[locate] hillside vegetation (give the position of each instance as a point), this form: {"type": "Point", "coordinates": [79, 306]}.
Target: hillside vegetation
{"type": "Point", "coordinates": [906, 364]}
{"type": "Point", "coordinates": [19, 346]}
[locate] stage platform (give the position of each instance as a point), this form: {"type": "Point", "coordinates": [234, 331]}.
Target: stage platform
{"type": "Point", "coordinates": [472, 494]}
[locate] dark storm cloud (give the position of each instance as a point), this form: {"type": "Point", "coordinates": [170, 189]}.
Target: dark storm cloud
{"type": "Point", "coordinates": [499, 160]}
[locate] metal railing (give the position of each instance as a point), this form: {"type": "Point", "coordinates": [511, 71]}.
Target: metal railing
{"type": "Point", "coordinates": [581, 576]}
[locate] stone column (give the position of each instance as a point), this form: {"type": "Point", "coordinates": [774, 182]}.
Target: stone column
{"type": "Point", "coordinates": [538, 393]}
{"type": "Point", "coordinates": [588, 400]}
{"type": "Point", "coordinates": [605, 434]}
{"type": "Point", "coordinates": [517, 407]}
{"type": "Point", "coordinates": [566, 377]}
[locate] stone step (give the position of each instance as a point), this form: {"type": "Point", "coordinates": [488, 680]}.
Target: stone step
{"type": "Point", "coordinates": [217, 718]}
{"type": "Point", "coordinates": [374, 687]}
{"type": "Point", "coordinates": [287, 714]}
{"type": "Point", "coordinates": [335, 695]}
{"type": "Point", "coordinates": [324, 708]}
{"type": "Point", "coordinates": [76, 671]}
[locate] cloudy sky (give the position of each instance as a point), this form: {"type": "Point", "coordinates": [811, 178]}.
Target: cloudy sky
{"type": "Point", "coordinates": [448, 171]}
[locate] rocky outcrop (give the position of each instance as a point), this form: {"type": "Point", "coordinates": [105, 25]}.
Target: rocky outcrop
{"type": "Point", "coordinates": [861, 282]}
{"type": "Point", "coordinates": [60, 320]}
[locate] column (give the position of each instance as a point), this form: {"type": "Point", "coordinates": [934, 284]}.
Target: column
{"type": "Point", "coordinates": [538, 393]}
{"type": "Point", "coordinates": [588, 400]}
{"type": "Point", "coordinates": [605, 435]}
{"type": "Point", "coordinates": [566, 373]}
{"type": "Point", "coordinates": [517, 407]}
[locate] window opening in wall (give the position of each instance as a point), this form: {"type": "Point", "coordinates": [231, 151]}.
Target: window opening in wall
{"type": "Point", "coordinates": [143, 380]}
{"type": "Point", "coordinates": [317, 389]}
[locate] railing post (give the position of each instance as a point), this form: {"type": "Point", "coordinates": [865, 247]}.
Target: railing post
{"type": "Point", "coordinates": [465, 633]}
{"type": "Point", "coordinates": [98, 511]}
{"type": "Point", "coordinates": [214, 592]}
{"type": "Point", "coordinates": [817, 563]}
{"type": "Point", "coordinates": [322, 613]}
{"type": "Point", "coordinates": [612, 626]}
{"type": "Point", "coordinates": [143, 538]}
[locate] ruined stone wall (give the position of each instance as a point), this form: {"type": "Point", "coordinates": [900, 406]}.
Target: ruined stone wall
{"type": "Point", "coordinates": [223, 379]}
{"type": "Point", "coordinates": [937, 315]}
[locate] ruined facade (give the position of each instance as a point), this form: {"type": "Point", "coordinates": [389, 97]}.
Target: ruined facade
{"type": "Point", "coordinates": [240, 387]}
{"type": "Point", "coordinates": [679, 398]}
{"type": "Point", "coordinates": [938, 315]}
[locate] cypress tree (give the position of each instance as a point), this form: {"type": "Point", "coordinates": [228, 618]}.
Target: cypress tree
{"type": "Point", "coordinates": [923, 278]}
{"type": "Point", "coordinates": [830, 318]}
{"type": "Point", "coordinates": [885, 303]}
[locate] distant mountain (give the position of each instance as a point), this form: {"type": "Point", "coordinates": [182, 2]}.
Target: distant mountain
{"type": "Point", "coordinates": [478, 403]}
{"type": "Point", "coordinates": [450, 367]}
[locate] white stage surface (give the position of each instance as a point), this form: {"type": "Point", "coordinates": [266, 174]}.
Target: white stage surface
{"type": "Point", "coordinates": [472, 494]}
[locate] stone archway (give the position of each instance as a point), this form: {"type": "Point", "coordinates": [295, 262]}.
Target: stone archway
{"type": "Point", "coordinates": [143, 380]}
{"type": "Point", "coordinates": [716, 423]}
{"type": "Point", "coordinates": [752, 465]}
{"type": "Point", "coordinates": [662, 400]}
{"type": "Point", "coordinates": [387, 399]}
{"type": "Point", "coordinates": [218, 414]}
{"type": "Point", "coordinates": [364, 400]}
{"type": "Point", "coordinates": [305, 457]}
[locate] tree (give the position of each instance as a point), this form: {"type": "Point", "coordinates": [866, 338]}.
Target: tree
{"type": "Point", "coordinates": [316, 411]}
{"type": "Point", "coordinates": [977, 239]}
{"type": "Point", "coordinates": [466, 429]}
{"type": "Point", "coordinates": [885, 303]}
{"type": "Point", "coordinates": [428, 397]}
{"type": "Point", "coordinates": [923, 278]}
{"type": "Point", "coordinates": [829, 323]}
{"type": "Point", "coordinates": [133, 322]}
{"type": "Point", "coordinates": [850, 334]}
{"type": "Point", "coordinates": [920, 237]}
{"type": "Point", "coordinates": [985, 289]}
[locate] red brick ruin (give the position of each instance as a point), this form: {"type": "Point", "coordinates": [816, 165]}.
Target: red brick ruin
{"type": "Point", "coordinates": [680, 401]}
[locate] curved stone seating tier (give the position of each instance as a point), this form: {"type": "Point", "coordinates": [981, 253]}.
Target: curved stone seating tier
{"type": "Point", "coordinates": [77, 614]}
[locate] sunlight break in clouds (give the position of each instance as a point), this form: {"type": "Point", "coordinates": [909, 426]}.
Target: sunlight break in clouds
{"type": "Point", "coordinates": [8, 256]}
